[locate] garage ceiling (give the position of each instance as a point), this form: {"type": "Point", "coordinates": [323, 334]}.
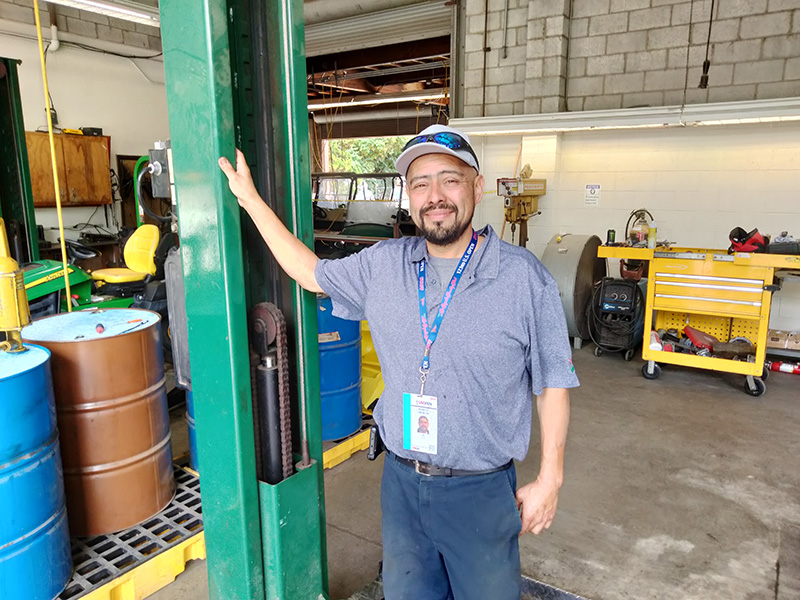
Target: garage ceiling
{"type": "Point", "coordinates": [369, 51]}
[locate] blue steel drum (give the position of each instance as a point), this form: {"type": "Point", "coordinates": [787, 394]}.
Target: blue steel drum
{"type": "Point", "coordinates": [35, 562]}
{"type": "Point", "coordinates": [339, 372]}
{"type": "Point", "coordinates": [193, 462]}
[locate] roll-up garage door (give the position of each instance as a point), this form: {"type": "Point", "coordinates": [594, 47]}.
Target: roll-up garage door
{"type": "Point", "coordinates": [395, 25]}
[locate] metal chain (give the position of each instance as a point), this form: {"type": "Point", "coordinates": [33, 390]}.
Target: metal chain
{"type": "Point", "coordinates": [281, 340]}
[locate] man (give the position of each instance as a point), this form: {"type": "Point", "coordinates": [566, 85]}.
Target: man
{"type": "Point", "coordinates": [467, 328]}
{"type": "Point", "coordinates": [423, 425]}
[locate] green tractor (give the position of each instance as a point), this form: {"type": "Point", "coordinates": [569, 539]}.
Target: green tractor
{"type": "Point", "coordinates": [44, 284]}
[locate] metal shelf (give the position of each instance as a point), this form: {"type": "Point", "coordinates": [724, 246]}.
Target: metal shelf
{"type": "Point", "coordinates": [784, 353]}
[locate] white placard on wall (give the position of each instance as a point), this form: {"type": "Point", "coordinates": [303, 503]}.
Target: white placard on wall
{"type": "Point", "coordinates": [592, 195]}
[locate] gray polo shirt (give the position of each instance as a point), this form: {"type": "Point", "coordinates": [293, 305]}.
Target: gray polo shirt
{"type": "Point", "coordinates": [503, 339]}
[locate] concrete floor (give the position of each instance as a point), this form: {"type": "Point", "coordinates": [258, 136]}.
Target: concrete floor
{"type": "Point", "coordinates": [675, 488]}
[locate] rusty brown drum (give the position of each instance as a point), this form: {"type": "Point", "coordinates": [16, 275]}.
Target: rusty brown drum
{"type": "Point", "coordinates": [110, 392]}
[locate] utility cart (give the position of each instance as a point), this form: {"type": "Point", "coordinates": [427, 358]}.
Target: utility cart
{"type": "Point", "coordinates": [726, 296]}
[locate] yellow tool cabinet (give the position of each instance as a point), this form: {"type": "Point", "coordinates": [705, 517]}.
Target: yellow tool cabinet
{"type": "Point", "coordinates": [724, 295]}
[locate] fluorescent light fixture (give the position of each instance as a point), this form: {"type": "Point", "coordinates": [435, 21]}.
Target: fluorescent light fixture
{"type": "Point", "coordinates": [369, 100]}
{"type": "Point", "coordinates": [375, 114]}
{"type": "Point", "coordinates": [721, 113]}
{"type": "Point", "coordinates": [120, 9]}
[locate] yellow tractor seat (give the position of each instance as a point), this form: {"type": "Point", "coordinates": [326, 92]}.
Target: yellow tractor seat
{"type": "Point", "coordinates": [117, 275]}
{"type": "Point", "coordinates": [139, 254]}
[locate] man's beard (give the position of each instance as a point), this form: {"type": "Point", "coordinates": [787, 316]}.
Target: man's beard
{"type": "Point", "coordinates": [439, 234]}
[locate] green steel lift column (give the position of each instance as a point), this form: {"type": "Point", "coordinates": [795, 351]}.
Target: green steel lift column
{"type": "Point", "coordinates": [16, 194]}
{"type": "Point", "coordinates": [263, 541]}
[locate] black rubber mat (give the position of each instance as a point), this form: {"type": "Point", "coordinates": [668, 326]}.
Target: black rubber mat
{"type": "Point", "coordinates": [531, 590]}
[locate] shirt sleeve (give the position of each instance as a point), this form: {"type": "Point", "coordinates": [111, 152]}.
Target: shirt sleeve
{"type": "Point", "coordinates": [346, 281]}
{"type": "Point", "coordinates": [550, 352]}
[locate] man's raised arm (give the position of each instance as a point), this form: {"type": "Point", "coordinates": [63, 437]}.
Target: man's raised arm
{"type": "Point", "coordinates": [292, 255]}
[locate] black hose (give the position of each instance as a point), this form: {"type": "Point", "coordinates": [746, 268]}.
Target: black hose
{"type": "Point", "coordinates": [148, 212]}
{"type": "Point", "coordinates": [631, 217]}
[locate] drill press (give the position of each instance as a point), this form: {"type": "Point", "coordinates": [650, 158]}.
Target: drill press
{"type": "Point", "coordinates": [521, 202]}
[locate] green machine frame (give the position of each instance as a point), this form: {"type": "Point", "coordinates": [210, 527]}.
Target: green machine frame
{"type": "Point", "coordinates": [16, 194]}
{"type": "Point", "coordinates": [235, 76]}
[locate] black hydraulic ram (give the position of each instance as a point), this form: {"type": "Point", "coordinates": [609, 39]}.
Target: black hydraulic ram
{"type": "Point", "coordinates": [269, 378]}
{"type": "Point", "coordinates": [269, 419]}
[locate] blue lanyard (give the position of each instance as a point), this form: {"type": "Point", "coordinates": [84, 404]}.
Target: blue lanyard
{"type": "Point", "coordinates": [429, 335]}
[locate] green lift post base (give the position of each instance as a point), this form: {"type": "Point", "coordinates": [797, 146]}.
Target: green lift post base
{"type": "Point", "coordinates": [292, 570]}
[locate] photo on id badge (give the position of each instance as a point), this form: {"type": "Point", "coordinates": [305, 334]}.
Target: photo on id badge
{"type": "Point", "coordinates": [420, 424]}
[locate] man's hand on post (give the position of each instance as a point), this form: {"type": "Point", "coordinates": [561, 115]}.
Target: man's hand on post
{"type": "Point", "coordinates": [297, 259]}
{"type": "Point", "coordinates": [239, 180]}
{"type": "Point", "coordinates": [537, 503]}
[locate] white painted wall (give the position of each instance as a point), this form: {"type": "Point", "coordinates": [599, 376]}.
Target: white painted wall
{"type": "Point", "coordinates": [90, 90]}
{"type": "Point", "coordinates": [698, 182]}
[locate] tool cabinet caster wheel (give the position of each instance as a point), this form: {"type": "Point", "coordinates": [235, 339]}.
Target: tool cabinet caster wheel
{"type": "Point", "coordinates": [598, 351]}
{"type": "Point", "coordinates": [765, 374]}
{"type": "Point", "coordinates": [628, 355]}
{"type": "Point", "coordinates": [758, 389]}
{"type": "Point", "coordinates": [648, 375]}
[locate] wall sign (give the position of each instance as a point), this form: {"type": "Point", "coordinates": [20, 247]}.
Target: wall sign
{"type": "Point", "coordinates": [592, 195]}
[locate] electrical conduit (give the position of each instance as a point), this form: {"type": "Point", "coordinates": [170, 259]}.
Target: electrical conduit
{"type": "Point", "coordinates": [139, 212]}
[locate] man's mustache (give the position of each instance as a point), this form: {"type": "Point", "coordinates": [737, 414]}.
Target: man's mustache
{"type": "Point", "coordinates": [441, 206]}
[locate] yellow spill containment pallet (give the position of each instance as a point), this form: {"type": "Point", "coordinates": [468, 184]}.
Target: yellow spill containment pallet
{"type": "Point", "coordinates": [344, 450]}
{"type": "Point", "coordinates": [137, 562]}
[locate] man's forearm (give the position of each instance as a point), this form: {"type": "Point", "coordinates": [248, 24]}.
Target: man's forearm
{"type": "Point", "coordinates": [294, 257]}
{"type": "Point", "coordinates": [553, 408]}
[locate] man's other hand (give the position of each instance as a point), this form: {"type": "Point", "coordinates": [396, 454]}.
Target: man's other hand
{"type": "Point", "coordinates": [537, 503]}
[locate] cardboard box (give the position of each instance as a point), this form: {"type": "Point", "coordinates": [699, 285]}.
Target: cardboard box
{"type": "Point", "coordinates": [777, 339]}
{"type": "Point", "coordinates": [793, 343]}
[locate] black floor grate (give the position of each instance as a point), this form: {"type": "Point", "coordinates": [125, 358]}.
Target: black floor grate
{"type": "Point", "coordinates": [101, 559]}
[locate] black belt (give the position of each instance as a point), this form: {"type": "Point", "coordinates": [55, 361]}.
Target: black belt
{"type": "Point", "coordinates": [433, 471]}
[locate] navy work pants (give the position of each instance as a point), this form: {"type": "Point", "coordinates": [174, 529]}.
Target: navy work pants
{"type": "Point", "coordinates": [449, 538]}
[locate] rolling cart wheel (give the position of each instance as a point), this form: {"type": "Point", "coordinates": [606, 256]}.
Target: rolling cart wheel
{"type": "Point", "coordinates": [758, 389]}
{"type": "Point", "coordinates": [648, 375]}
{"type": "Point", "coordinates": [628, 356]}
{"type": "Point", "coordinates": [598, 351]}
{"type": "Point", "coordinates": [765, 373]}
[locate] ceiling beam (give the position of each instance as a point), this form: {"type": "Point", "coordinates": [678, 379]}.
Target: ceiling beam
{"type": "Point", "coordinates": [351, 85]}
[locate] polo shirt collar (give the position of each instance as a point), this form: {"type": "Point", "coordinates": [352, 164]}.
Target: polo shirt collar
{"type": "Point", "coordinates": [487, 265]}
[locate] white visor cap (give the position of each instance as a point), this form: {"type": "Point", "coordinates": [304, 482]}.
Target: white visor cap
{"type": "Point", "coordinates": [411, 154]}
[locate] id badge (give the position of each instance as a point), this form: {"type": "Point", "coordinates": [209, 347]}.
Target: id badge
{"type": "Point", "coordinates": [420, 423]}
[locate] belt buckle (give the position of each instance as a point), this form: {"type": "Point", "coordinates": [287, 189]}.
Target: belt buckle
{"type": "Point", "coordinates": [422, 468]}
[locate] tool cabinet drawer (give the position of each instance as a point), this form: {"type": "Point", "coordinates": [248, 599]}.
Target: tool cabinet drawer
{"type": "Point", "coordinates": [706, 286]}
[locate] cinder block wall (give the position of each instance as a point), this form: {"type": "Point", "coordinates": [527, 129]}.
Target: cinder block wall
{"type": "Point", "coordinates": [85, 24]}
{"type": "Point", "coordinates": [699, 183]}
{"type": "Point", "coordinates": [571, 55]}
